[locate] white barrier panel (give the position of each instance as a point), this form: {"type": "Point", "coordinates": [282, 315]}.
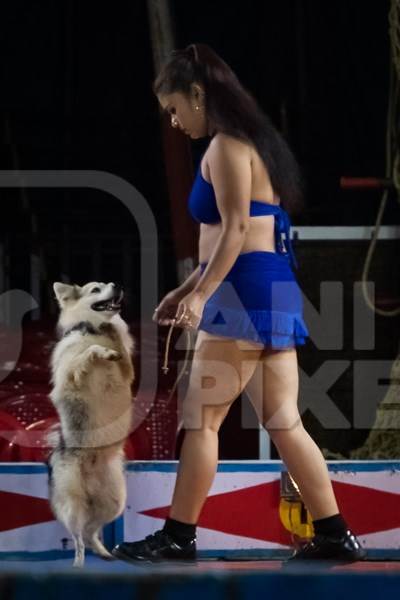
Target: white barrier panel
{"type": "Point", "coordinates": [240, 516]}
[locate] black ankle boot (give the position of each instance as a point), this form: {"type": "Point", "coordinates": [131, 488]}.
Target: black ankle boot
{"type": "Point", "coordinates": [345, 548]}
{"type": "Point", "coordinates": [155, 548]}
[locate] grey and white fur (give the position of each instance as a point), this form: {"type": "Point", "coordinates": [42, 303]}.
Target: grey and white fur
{"type": "Point", "coordinates": [92, 374]}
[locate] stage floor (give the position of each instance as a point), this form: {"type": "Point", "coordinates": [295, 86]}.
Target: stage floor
{"type": "Point", "coordinates": [205, 579]}
{"type": "Point", "coordinates": [94, 565]}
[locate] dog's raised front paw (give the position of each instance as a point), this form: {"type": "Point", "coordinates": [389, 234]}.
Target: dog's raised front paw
{"type": "Point", "coordinates": [113, 355]}
{"type": "Point", "coordinates": [97, 351]}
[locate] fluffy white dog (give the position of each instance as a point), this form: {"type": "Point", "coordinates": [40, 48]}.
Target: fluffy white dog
{"type": "Point", "coordinates": [92, 375]}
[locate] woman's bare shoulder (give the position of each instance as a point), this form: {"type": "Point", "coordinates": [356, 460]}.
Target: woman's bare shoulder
{"type": "Point", "coordinates": [224, 142]}
{"type": "Point", "coordinates": [227, 147]}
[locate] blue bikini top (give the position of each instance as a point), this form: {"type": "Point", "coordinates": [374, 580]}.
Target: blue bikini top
{"type": "Point", "coordinates": [203, 208]}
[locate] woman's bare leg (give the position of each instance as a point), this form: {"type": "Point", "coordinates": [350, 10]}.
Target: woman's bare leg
{"type": "Point", "coordinates": [220, 370]}
{"type": "Point", "coordinates": [274, 394]}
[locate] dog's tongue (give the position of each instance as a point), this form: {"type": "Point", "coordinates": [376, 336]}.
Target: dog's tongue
{"type": "Point", "coordinates": [111, 304]}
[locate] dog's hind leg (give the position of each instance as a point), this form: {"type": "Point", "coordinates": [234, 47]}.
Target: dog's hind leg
{"type": "Point", "coordinates": [79, 559]}
{"type": "Point", "coordinates": [74, 520]}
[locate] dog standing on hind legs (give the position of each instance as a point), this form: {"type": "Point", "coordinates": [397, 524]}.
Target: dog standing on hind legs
{"type": "Point", "coordinates": [92, 374]}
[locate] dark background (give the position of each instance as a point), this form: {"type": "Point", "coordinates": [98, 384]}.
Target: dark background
{"type": "Point", "coordinates": [76, 94]}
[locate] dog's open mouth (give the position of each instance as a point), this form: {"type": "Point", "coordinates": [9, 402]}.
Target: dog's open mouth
{"type": "Point", "coordinates": [112, 304]}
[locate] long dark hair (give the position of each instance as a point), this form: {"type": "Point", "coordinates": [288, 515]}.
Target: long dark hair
{"type": "Point", "coordinates": [234, 111]}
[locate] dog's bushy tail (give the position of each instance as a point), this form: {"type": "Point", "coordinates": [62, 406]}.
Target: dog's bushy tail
{"type": "Point", "coordinates": [54, 442]}
{"type": "Point", "coordinates": [54, 436]}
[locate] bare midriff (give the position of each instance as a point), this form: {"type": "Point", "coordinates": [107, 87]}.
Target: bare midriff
{"type": "Point", "coordinates": [260, 236]}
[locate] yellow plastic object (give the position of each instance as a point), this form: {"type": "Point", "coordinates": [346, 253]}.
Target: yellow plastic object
{"type": "Point", "coordinates": [296, 518]}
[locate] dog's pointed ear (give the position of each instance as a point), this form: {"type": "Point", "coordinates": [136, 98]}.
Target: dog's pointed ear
{"type": "Point", "coordinates": [64, 292]}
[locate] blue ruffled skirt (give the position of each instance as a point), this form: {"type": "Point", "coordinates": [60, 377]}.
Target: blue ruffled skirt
{"type": "Point", "coordinates": [259, 300]}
